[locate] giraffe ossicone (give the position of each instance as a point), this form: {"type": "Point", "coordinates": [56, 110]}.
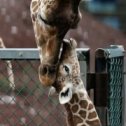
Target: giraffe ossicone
{"type": "Point", "coordinates": [70, 88]}
{"type": "Point", "coordinates": [51, 21]}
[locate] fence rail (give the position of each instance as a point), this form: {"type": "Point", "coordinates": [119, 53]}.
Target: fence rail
{"type": "Point", "coordinates": [26, 53]}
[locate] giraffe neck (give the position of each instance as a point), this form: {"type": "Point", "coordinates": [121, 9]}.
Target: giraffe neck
{"type": "Point", "coordinates": [81, 111]}
{"type": "Point", "coordinates": [47, 37]}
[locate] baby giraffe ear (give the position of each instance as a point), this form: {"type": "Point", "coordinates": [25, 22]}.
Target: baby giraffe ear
{"type": "Point", "coordinates": [73, 43]}
{"type": "Point", "coordinates": [66, 94]}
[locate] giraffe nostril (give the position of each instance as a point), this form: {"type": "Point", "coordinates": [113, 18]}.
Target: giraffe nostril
{"type": "Point", "coordinates": [52, 69]}
{"type": "Point", "coordinates": [46, 69]}
{"type": "Point", "coordinates": [43, 70]}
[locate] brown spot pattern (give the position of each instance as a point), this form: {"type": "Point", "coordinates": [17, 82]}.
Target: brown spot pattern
{"type": "Point", "coordinates": [92, 115]}
{"type": "Point", "coordinates": [75, 96]}
{"type": "Point", "coordinates": [91, 106]}
{"type": "Point", "coordinates": [83, 104]}
{"type": "Point", "coordinates": [82, 113]}
{"type": "Point", "coordinates": [94, 123]}
{"type": "Point", "coordinates": [69, 115]}
{"type": "Point", "coordinates": [74, 99]}
{"type": "Point", "coordinates": [77, 120]}
{"type": "Point", "coordinates": [77, 81]}
{"type": "Point", "coordinates": [34, 3]}
{"type": "Point", "coordinates": [75, 108]}
{"type": "Point", "coordinates": [35, 8]}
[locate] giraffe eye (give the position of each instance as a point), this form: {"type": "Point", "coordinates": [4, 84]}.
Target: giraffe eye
{"type": "Point", "coordinates": [66, 68]}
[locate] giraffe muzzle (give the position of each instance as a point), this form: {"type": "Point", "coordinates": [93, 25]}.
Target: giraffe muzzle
{"type": "Point", "coordinates": [47, 74]}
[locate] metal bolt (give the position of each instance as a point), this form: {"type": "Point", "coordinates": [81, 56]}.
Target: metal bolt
{"type": "Point", "coordinates": [20, 54]}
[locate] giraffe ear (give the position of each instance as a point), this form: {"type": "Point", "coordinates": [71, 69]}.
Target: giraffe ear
{"type": "Point", "coordinates": [73, 43]}
{"type": "Point", "coordinates": [66, 94]}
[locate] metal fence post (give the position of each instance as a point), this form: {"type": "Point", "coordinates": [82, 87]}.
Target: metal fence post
{"type": "Point", "coordinates": [83, 57]}
{"type": "Point", "coordinates": [109, 61]}
{"type": "Point", "coordinates": [101, 82]}
{"type": "Point", "coordinates": [124, 94]}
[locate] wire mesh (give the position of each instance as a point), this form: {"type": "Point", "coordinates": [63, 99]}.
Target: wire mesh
{"type": "Point", "coordinates": [115, 99]}
{"type": "Point", "coordinates": [28, 104]}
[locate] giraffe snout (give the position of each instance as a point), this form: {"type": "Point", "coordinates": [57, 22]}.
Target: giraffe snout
{"type": "Point", "coordinates": [47, 74]}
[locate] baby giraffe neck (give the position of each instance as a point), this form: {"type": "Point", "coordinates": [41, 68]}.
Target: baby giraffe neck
{"type": "Point", "coordinates": [81, 111]}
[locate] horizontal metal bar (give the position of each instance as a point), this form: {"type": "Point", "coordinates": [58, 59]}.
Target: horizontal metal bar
{"type": "Point", "coordinates": [112, 51]}
{"type": "Point", "coordinates": [25, 53]}
{"type": "Point", "coordinates": [19, 53]}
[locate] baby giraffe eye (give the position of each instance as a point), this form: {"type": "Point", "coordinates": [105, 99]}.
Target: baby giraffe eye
{"type": "Point", "coordinates": [66, 68]}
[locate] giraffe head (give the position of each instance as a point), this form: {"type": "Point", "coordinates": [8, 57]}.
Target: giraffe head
{"type": "Point", "coordinates": [51, 20]}
{"type": "Point", "coordinates": [59, 13]}
{"type": "Point", "coordinates": [68, 77]}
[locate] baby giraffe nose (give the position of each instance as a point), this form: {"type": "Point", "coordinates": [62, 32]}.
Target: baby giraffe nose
{"type": "Point", "coordinates": [47, 74]}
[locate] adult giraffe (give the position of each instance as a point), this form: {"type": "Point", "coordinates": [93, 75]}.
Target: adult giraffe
{"type": "Point", "coordinates": [51, 21]}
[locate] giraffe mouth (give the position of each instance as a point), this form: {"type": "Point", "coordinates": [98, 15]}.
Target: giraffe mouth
{"type": "Point", "coordinates": [46, 21]}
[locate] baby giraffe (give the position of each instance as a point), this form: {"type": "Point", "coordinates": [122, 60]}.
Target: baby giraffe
{"type": "Point", "coordinates": [72, 93]}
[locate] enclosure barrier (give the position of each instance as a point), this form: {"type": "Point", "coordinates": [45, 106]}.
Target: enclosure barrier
{"type": "Point", "coordinates": [109, 93]}
{"type": "Point", "coordinates": [29, 104]}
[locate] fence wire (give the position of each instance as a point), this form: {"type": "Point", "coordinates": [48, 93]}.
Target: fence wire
{"type": "Point", "coordinates": [28, 104]}
{"type": "Point", "coordinates": [115, 99]}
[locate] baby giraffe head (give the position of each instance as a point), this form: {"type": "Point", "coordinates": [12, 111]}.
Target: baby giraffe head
{"type": "Point", "coordinates": [68, 73]}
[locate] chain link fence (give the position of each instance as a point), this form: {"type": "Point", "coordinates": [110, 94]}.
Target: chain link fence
{"type": "Point", "coordinates": [115, 99]}
{"type": "Point", "coordinates": [28, 104]}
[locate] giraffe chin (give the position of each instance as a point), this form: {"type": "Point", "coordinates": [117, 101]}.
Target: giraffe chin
{"type": "Point", "coordinates": [47, 80]}
{"type": "Point", "coordinates": [65, 95]}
